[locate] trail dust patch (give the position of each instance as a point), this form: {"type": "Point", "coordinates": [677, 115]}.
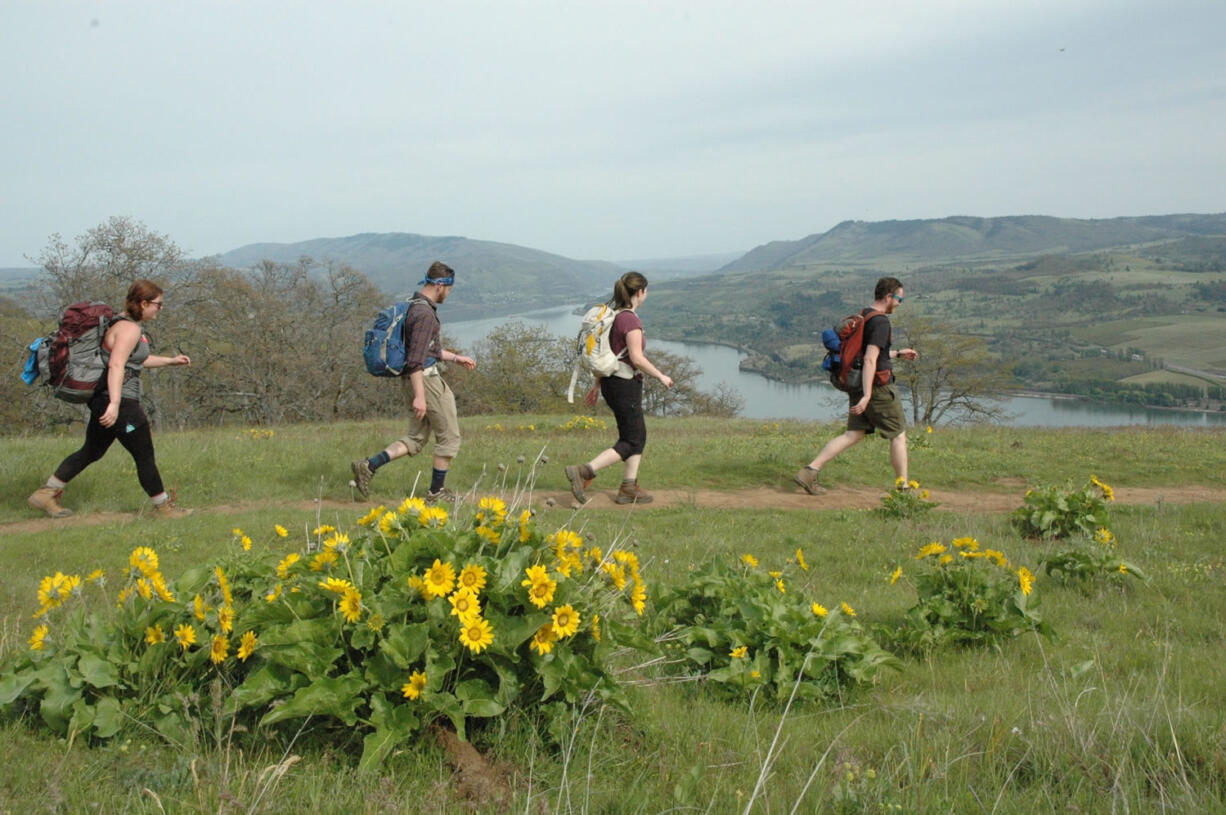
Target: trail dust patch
{"type": "Point", "coordinates": [478, 782]}
{"type": "Point", "coordinates": [779, 498]}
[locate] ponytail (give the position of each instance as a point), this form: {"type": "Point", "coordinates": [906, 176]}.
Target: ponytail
{"type": "Point", "coordinates": [628, 285]}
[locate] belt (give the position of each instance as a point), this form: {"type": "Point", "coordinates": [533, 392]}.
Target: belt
{"type": "Point", "coordinates": [431, 371]}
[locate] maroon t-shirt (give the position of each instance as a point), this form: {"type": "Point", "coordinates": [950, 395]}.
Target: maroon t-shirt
{"type": "Point", "coordinates": [625, 322]}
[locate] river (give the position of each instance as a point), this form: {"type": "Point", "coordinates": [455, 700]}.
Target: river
{"type": "Point", "coordinates": [768, 399]}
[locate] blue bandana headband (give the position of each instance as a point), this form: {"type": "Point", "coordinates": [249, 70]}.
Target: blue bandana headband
{"type": "Point", "coordinates": [449, 280]}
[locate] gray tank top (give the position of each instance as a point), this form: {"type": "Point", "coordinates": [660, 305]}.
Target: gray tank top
{"type": "Point", "coordinates": [132, 368]}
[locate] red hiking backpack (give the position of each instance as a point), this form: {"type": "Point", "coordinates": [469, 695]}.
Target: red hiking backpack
{"type": "Point", "coordinates": [70, 358]}
{"type": "Point", "coordinates": [846, 368]}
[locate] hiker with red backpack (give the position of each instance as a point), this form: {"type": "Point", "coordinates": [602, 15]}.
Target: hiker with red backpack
{"type": "Point", "coordinates": [115, 411]}
{"type": "Point", "coordinates": [865, 371]}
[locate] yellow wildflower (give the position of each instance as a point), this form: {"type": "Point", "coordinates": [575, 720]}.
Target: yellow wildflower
{"type": "Point", "coordinates": [416, 685]}
{"type": "Point", "coordinates": [411, 506]}
{"type": "Point", "coordinates": [775, 574]}
{"type": "Point", "coordinates": [186, 635]}
{"type": "Point", "coordinates": [38, 640]}
{"type": "Point", "coordinates": [247, 645]}
{"type": "Point", "coordinates": [225, 619]}
{"type": "Point", "coordinates": [749, 560]}
{"type": "Point", "coordinates": [1123, 567]}
{"type": "Point", "coordinates": [219, 649]}
{"type": "Point", "coordinates": [338, 542]}
{"type": "Point", "coordinates": [273, 595]}
{"type": "Point", "coordinates": [933, 548]}
{"type": "Point", "coordinates": [144, 588]}
{"type": "Point", "coordinates": [335, 585]}
{"type": "Point", "coordinates": [895, 575]}
{"type": "Point", "coordinates": [323, 559]}
{"type": "Point", "coordinates": [1025, 580]}
{"type": "Point", "coordinates": [372, 516]}
{"type": "Point", "coordinates": [596, 627]}
{"type": "Point", "coordinates": [286, 563]}
{"type": "Point", "coordinates": [638, 598]}
{"type": "Point", "coordinates": [779, 585]}
{"type": "Point", "coordinates": [1104, 536]}
{"type": "Point", "coordinates": [966, 543]}
{"type": "Point", "coordinates": [818, 610]}
{"type": "Point", "coordinates": [945, 560]}
{"type": "Point", "coordinates": [465, 605]}
{"type": "Point", "coordinates": [350, 605]}
{"type": "Point", "coordinates": [144, 560]}
{"type": "Point", "coordinates": [226, 597]}
{"type": "Point", "coordinates": [434, 517]}
{"type": "Point", "coordinates": [387, 524]}
{"type": "Point", "coordinates": [245, 542]}
{"type": "Point", "coordinates": [848, 610]}
{"type": "Point", "coordinates": [525, 530]}
{"type": "Point", "coordinates": [739, 652]}
{"type": "Point", "coordinates": [418, 585]}
{"type": "Point", "coordinates": [154, 635]}
{"type": "Point", "coordinates": [543, 639]}
{"type": "Point", "coordinates": [440, 578]}
{"type": "Point", "coordinates": [565, 621]}
{"type": "Point", "coordinates": [476, 635]}
{"type": "Point", "coordinates": [95, 576]}
{"type": "Point", "coordinates": [199, 608]}
{"type": "Point", "coordinates": [322, 530]}
{"type": "Point", "coordinates": [159, 585]}
{"type": "Point", "coordinates": [800, 561]}
{"type": "Point", "coordinates": [281, 531]}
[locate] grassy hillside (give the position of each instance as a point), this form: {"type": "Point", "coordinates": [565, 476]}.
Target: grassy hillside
{"type": "Point", "coordinates": [1120, 712]}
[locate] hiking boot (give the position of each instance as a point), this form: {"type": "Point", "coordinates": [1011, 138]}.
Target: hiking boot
{"type": "Point", "coordinates": [806, 477]}
{"type": "Point", "coordinates": [362, 475]}
{"type": "Point", "coordinates": [170, 510]}
{"type": "Point", "coordinates": [580, 477]}
{"type": "Point", "coordinates": [442, 494]}
{"type": "Point", "coordinates": [48, 500]}
{"type": "Point", "coordinates": [631, 493]}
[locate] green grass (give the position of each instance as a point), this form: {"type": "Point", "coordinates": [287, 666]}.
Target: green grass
{"type": "Point", "coordinates": [1121, 712]}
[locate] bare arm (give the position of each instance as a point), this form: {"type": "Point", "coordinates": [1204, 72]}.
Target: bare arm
{"type": "Point", "coordinates": [459, 359]}
{"type": "Point", "coordinates": [418, 380]}
{"type": "Point", "coordinates": [122, 339]}
{"type": "Point", "coordinates": [634, 350]}
{"type": "Point", "coordinates": [868, 374]}
{"type": "Point", "coordinates": [153, 361]}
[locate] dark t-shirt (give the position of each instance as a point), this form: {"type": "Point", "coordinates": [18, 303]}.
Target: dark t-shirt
{"type": "Point", "coordinates": [877, 332]}
{"type": "Point", "coordinates": [625, 322]}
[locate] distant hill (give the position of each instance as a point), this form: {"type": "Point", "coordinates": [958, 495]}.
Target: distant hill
{"type": "Point", "coordinates": [492, 276]}
{"type": "Point", "coordinates": [969, 238]}
{"type": "Point", "coordinates": [10, 274]}
{"type": "Point", "coordinates": [669, 268]}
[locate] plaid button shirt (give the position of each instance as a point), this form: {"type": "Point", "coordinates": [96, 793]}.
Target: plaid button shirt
{"type": "Point", "coordinates": [421, 335]}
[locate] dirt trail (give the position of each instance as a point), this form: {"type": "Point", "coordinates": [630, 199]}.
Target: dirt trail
{"type": "Point", "coordinates": [755, 498]}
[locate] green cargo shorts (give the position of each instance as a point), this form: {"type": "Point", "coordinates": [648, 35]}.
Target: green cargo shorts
{"type": "Point", "coordinates": [883, 414]}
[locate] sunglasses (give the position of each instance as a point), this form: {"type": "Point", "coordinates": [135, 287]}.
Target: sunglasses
{"type": "Point", "coordinates": [897, 298]}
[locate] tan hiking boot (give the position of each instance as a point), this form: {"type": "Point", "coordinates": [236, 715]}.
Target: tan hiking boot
{"type": "Point", "coordinates": [170, 510]}
{"type": "Point", "coordinates": [580, 477]}
{"type": "Point", "coordinates": [806, 477]}
{"type": "Point", "coordinates": [48, 500]}
{"type": "Point", "coordinates": [362, 474]}
{"type": "Point", "coordinates": [442, 495]}
{"type": "Point", "coordinates": [631, 493]}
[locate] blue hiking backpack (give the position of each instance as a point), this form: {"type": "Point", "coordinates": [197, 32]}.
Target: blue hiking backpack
{"type": "Point", "coordinates": [384, 350]}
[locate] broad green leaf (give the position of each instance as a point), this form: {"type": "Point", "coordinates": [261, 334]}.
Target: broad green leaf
{"type": "Point", "coordinates": [13, 686]}
{"type": "Point", "coordinates": [97, 671]}
{"type": "Point", "coordinates": [330, 696]}
{"type": "Point", "coordinates": [108, 717]}
{"type": "Point", "coordinates": [82, 717]}
{"type": "Point", "coordinates": [309, 658]}
{"type": "Point", "coordinates": [404, 644]}
{"type": "Point", "coordinates": [266, 684]}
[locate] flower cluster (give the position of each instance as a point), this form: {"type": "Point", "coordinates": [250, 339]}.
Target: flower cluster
{"type": "Point", "coordinates": [743, 627]}
{"type": "Point", "coordinates": [1061, 512]}
{"type": "Point", "coordinates": [583, 423]}
{"type": "Point", "coordinates": [968, 593]}
{"type": "Point", "coordinates": [460, 622]}
{"type": "Point", "coordinates": [1085, 561]}
{"type": "Point", "coordinates": [257, 433]}
{"type": "Point", "coordinates": [906, 500]}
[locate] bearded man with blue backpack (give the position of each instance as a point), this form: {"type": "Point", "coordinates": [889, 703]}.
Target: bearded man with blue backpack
{"type": "Point", "coordinates": [405, 342]}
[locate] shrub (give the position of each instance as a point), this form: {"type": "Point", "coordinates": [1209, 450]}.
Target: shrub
{"type": "Point", "coordinates": [906, 500]}
{"type": "Point", "coordinates": [968, 594]}
{"type": "Point", "coordinates": [742, 628]}
{"type": "Point", "coordinates": [409, 622]}
{"type": "Point", "coordinates": [1054, 512]}
{"type": "Point", "coordinates": [1090, 560]}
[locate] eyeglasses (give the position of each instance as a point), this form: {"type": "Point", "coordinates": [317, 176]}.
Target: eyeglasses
{"type": "Point", "coordinates": [158, 303]}
{"type": "Point", "coordinates": [897, 297]}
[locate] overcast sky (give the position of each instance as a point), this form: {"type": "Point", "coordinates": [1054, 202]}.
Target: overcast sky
{"type": "Point", "coordinates": [609, 130]}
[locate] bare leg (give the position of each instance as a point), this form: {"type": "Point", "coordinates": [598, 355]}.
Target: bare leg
{"type": "Point", "coordinates": [604, 459]}
{"type": "Point", "coordinates": [395, 450]}
{"type": "Point", "coordinates": [837, 445]}
{"type": "Point", "coordinates": [898, 456]}
{"type": "Point", "coordinates": [632, 467]}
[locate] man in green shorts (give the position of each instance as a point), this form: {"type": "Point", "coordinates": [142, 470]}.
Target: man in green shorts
{"type": "Point", "coordinates": [878, 407]}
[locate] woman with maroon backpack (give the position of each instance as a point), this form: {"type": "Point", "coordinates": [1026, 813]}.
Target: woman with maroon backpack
{"type": "Point", "coordinates": [115, 411]}
{"type": "Point", "coordinates": [623, 393]}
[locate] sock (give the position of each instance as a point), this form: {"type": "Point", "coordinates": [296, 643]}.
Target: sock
{"type": "Point", "coordinates": [55, 484]}
{"type": "Point", "coordinates": [626, 482]}
{"type": "Point", "coordinates": [437, 477]}
{"type": "Point", "coordinates": [814, 469]}
{"type": "Point", "coordinates": [378, 460]}
{"type": "Point", "coordinates": [161, 498]}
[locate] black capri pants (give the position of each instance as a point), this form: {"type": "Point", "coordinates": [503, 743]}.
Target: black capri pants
{"type": "Point", "coordinates": [625, 398]}
{"type": "Point", "coordinates": [131, 429]}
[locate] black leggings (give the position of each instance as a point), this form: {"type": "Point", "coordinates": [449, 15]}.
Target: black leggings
{"type": "Point", "coordinates": [132, 431]}
{"type": "Point", "coordinates": [625, 398]}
